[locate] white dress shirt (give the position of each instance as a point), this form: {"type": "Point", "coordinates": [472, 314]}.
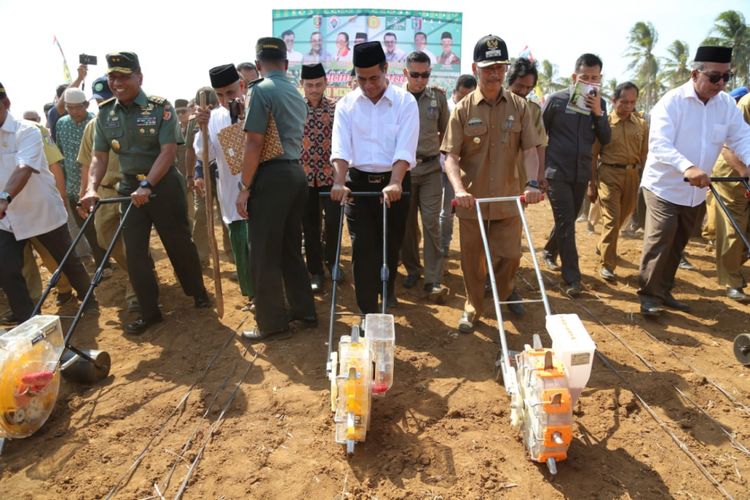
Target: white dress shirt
{"type": "Point", "coordinates": [372, 137]}
{"type": "Point", "coordinates": [227, 187]}
{"type": "Point", "coordinates": [38, 208]}
{"type": "Point", "coordinates": [684, 133]}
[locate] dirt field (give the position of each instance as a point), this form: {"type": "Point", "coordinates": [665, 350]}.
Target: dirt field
{"type": "Point", "coordinates": [665, 414]}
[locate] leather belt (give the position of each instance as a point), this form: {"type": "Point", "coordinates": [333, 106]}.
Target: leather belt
{"type": "Point", "coordinates": [620, 165]}
{"type": "Point", "coordinates": [425, 159]}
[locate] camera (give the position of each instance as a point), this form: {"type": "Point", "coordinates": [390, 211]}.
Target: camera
{"type": "Point", "coordinates": [87, 59]}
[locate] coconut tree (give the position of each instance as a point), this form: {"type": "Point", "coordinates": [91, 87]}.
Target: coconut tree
{"type": "Point", "coordinates": [644, 64]}
{"type": "Point", "coordinates": [548, 77]}
{"type": "Point", "coordinates": [731, 30]}
{"type": "Point", "coordinates": [676, 67]}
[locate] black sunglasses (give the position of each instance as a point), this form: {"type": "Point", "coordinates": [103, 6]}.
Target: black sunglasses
{"type": "Point", "coordinates": [424, 75]}
{"type": "Point", "coordinates": [715, 77]}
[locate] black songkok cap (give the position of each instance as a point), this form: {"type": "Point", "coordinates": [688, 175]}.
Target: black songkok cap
{"type": "Point", "coordinates": [362, 35]}
{"type": "Point", "coordinates": [223, 75]}
{"type": "Point", "coordinates": [180, 103]}
{"type": "Point", "coordinates": [368, 54]}
{"type": "Point", "coordinates": [312, 71]}
{"type": "Point", "coordinates": [713, 54]}
{"type": "Point", "coordinates": [270, 49]}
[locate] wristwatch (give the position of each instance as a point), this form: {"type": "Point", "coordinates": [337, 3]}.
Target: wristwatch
{"type": "Point", "coordinates": [145, 185]}
{"type": "Point", "coordinates": [533, 184]}
{"type": "Point", "coordinates": [242, 186]}
{"type": "Point", "coordinates": [6, 196]}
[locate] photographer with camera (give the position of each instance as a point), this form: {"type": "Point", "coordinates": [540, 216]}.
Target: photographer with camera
{"type": "Point", "coordinates": [568, 164]}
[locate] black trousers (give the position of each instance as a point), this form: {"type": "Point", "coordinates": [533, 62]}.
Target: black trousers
{"type": "Point", "coordinates": [315, 249]}
{"type": "Point", "coordinates": [277, 202]}
{"type": "Point", "coordinates": [89, 234]}
{"type": "Point", "coordinates": [566, 199]}
{"type": "Point", "coordinates": [57, 243]}
{"type": "Point", "coordinates": [167, 211]}
{"type": "Point", "coordinates": [365, 219]}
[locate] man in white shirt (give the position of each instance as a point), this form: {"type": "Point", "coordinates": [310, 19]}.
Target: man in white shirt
{"type": "Point", "coordinates": [420, 45]}
{"type": "Point", "coordinates": [228, 85]}
{"type": "Point", "coordinates": [689, 125]}
{"type": "Point", "coordinates": [292, 55]}
{"type": "Point", "coordinates": [392, 52]}
{"type": "Point", "coordinates": [375, 134]}
{"type": "Point", "coordinates": [30, 206]}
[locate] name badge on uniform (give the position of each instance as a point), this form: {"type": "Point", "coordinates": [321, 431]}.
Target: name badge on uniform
{"type": "Point", "coordinates": [111, 122]}
{"type": "Point", "coordinates": [145, 121]}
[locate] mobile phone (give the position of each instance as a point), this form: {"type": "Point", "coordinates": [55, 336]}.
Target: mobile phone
{"type": "Point", "coordinates": [87, 59]}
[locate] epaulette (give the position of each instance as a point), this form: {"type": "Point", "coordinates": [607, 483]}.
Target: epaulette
{"type": "Point", "coordinates": [156, 99]}
{"type": "Point", "coordinates": [254, 82]}
{"type": "Point", "coordinates": [437, 89]}
{"type": "Point", "coordinates": [111, 100]}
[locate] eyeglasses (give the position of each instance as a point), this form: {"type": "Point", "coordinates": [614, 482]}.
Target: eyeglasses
{"type": "Point", "coordinates": [424, 75]}
{"type": "Point", "coordinates": [716, 77]}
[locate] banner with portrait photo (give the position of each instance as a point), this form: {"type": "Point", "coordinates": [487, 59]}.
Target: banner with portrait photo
{"type": "Point", "coordinates": [329, 35]}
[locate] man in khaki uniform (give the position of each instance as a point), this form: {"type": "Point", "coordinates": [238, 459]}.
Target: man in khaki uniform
{"type": "Point", "coordinates": [729, 246]}
{"type": "Point", "coordinates": [485, 133]}
{"type": "Point", "coordinates": [108, 215]}
{"type": "Point", "coordinates": [522, 79]}
{"type": "Point", "coordinates": [616, 168]}
{"type": "Point", "coordinates": [426, 181]}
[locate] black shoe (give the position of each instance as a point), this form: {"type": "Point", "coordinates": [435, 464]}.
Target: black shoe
{"type": "Point", "coordinates": [650, 310]}
{"type": "Point", "coordinates": [202, 301]}
{"type": "Point", "coordinates": [516, 309]}
{"type": "Point", "coordinates": [92, 307]}
{"type": "Point", "coordinates": [685, 264]}
{"type": "Point", "coordinates": [607, 274]}
{"type": "Point", "coordinates": [738, 294]}
{"type": "Point", "coordinates": [673, 303]}
{"type": "Point", "coordinates": [411, 280]}
{"type": "Point", "coordinates": [9, 318]}
{"type": "Point", "coordinates": [305, 322]}
{"type": "Point", "coordinates": [316, 283]}
{"type": "Point", "coordinates": [255, 334]}
{"type": "Point", "coordinates": [63, 298]}
{"type": "Point", "coordinates": [573, 289]}
{"type": "Point", "coordinates": [549, 261]}
{"type": "Point", "coordinates": [140, 325]}
{"type": "Point", "coordinates": [466, 323]}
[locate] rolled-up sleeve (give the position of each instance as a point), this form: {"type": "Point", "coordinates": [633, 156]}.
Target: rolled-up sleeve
{"type": "Point", "coordinates": [662, 136]}
{"type": "Point", "coordinates": [341, 142]}
{"type": "Point", "coordinates": [31, 150]}
{"type": "Point", "coordinates": [408, 133]}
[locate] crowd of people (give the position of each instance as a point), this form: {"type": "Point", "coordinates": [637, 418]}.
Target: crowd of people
{"type": "Point", "coordinates": [304, 159]}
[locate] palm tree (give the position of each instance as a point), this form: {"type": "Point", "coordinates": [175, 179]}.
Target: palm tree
{"type": "Point", "coordinates": [730, 30]}
{"type": "Point", "coordinates": [548, 77]}
{"type": "Point", "coordinates": [676, 66]}
{"type": "Point", "coordinates": [608, 89]}
{"type": "Point", "coordinates": [642, 40]}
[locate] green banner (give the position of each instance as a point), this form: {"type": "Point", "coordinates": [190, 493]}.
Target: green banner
{"type": "Point", "coordinates": [328, 36]}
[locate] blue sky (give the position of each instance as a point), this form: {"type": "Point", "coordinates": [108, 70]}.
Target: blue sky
{"type": "Point", "coordinates": [178, 42]}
